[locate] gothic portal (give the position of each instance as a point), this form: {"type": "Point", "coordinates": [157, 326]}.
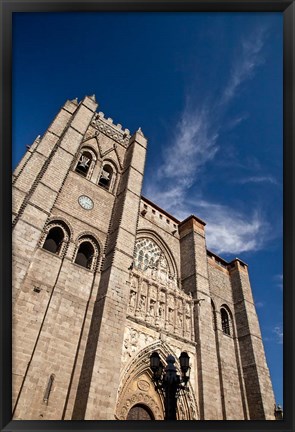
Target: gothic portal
{"type": "Point", "coordinates": [102, 277]}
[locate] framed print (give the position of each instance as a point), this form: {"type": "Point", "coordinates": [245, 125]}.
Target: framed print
{"type": "Point", "coordinates": [148, 270]}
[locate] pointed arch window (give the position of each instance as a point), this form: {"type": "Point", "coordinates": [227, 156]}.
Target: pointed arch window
{"type": "Point", "coordinates": [225, 322]}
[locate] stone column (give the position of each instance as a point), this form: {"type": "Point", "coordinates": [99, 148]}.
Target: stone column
{"type": "Point", "coordinates": [194, 275]}
{"type": "Point", "coordinates": [256, 374]}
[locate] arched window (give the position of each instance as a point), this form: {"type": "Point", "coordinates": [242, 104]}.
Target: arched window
{"type": "Point", "coordinates": [85, 255]}
{"type": "Point", "coordinates": [84, 163]}
{"type": "Point", "coordinates": [87, 252]}
{"type": "Point", "coordinates": [54, 240]}
{"type": "Point", "coordinates": [55, 237]}
{"type": "Point", "coordinates": [105, 179]}
{"type": "Point", "coordinates": [225, 321]}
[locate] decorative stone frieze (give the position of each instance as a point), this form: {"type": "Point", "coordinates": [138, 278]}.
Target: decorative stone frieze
{"type": "Point", "coordinates": [115, 132]}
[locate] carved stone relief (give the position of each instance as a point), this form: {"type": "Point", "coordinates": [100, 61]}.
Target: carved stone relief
{"type": "Point", "coordinates": [137, 387]}
{"type": "Point", "coordinates": [134, 340]}
{"type": "Point", "coordinates": [139, 390]}
{"type": "Point", "coordinates": [132, 300]}
{"type": "Point", "coordinates": [159, 306]}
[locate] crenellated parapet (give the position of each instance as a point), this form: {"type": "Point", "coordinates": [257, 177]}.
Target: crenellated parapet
{"type": "Point", "coordinates": [113, 131]}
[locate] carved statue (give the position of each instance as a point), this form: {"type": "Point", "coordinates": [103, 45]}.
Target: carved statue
{"type": "Point", "coordinates": [152, 308]}
{"type": "Point", "coordinates": [187, 309]}
{"type": "Point", "coordinates": [141, 303]}
{"type": "Point", "coordinates": [161, 311]}
{"type": "Point", "coordinates": [180, 322]}
{"type": "Point", "coordinates": [170, 315]}
{"type": "Point", "coordinates": [132, 299]}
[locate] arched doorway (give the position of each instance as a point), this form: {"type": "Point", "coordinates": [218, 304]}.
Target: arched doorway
{"type": "Point", "coordinates": [137, 388]}
{"type": "Point", "coordinates": [140, 412]}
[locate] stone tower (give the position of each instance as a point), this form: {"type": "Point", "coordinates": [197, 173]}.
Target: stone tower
{"type": "Point", "coordinates": [102, 277]}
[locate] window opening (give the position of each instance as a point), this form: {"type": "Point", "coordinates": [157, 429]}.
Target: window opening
{"type": "Point", "coordinates": [83, 164]}
{"type": "Point", "coordinates": [85, 255]}
{"type": "Point", "coordinates": [48, 388]}
{"type": "Point", "coordinates": [54, 240]}
{"type": "Point", "coordinates": [106, 177]}
{"type": "Point", "coordinates": [213, 316]}
{"type": "Point", "coordinates": [225, 322]}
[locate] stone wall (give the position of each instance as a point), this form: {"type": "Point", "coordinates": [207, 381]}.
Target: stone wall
{"type": "Point", "coordinates": [152, 285]}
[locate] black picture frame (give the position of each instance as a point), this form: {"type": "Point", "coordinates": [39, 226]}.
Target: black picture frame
{"type": "Point", "coordinates": [287, 7]}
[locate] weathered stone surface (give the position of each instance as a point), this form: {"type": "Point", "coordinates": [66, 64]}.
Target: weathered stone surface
{"type": "Point", "coordinates": [83, 334]}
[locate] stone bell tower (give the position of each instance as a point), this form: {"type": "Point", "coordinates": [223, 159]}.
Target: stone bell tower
{"type": "Point", "coordinates": [76, 197]}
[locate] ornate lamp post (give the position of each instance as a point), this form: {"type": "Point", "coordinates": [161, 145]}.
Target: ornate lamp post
{"type": "Point", "coordinates": [168, 381]}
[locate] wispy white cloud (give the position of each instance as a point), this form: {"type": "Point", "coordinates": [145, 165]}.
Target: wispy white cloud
{"type": "Point", "coordinates": [227, 229]}
{"type": "Point", "coordinates": [259, 305]}
{"type": "Point", "coordinates": [257, 179]}
{"type": "Point", "coordinates": [193, 147]}
{"type": "Point", "coordinates": [275, 335]}
{"type": "Point", "coordinates": [230, 231]}
{"type": "Point", "coordinates": [246, 62]}
{"type": "Point", "coordinates": [278, 331]}
{"type": "Point", "coordinates": [194, 144]}
{"type": "Point", "coordinates": [235, 121]}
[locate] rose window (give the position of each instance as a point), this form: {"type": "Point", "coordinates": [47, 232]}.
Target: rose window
{"type": "Point", "coordinates": [148, 254]}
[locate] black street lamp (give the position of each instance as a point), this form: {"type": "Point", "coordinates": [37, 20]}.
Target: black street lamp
{"type": "Point", "coordinates": [168, 381]}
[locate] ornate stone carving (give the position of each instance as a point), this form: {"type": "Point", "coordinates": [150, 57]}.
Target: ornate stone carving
{"type": "Point", "coordinates": [132, 300]}
{"type": "Point", "coordinates": [161, 311]}
{"type": "Point", "coordinates": [152, 311]}
{"type": "Point", "coordinates": [137, 388]}
{"type": "Point", "coordinates": [141, 305]}
{"type": "Point", "coordinates": [130, 342]}
{"type": "Point", "coordinates": [180, 411]}
{"type": "Point", "coordinates": [153, 299]}
{"type": "Point", "coordinates": [170, 315]}
{"type": "Point", "coordinates": [143, 385]}
{"type": "Point", "coordinates": [140, 398]}
{"type": "Point", "coordinates": [187, 323]}
{"type": "Point", "coordinates": [107, 127]}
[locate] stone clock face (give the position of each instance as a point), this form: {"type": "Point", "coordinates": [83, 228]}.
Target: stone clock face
{"type": "Point", "coordinates": [85, 202]}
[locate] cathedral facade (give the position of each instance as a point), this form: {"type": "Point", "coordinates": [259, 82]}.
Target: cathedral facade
{"type": "Point", "coordinates": [103, 277]}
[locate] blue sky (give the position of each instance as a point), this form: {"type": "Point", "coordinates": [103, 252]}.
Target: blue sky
{"type": "Point", "coordinates": [206, 89]}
